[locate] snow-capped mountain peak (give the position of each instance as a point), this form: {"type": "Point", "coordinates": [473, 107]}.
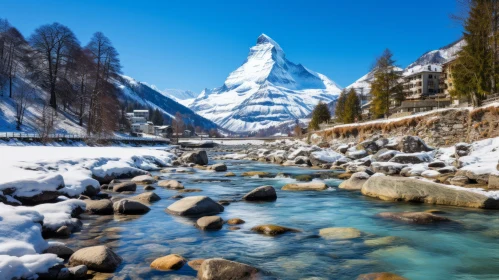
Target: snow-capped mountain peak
{"type": "Point", "coordinates": [266, 90]}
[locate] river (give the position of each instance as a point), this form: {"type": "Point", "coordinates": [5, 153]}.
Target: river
{"type": "Point", "coordinates": [466, 249]}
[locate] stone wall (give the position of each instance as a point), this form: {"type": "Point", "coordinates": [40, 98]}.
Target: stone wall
{"type": "Point", "coordinates": [440, 128]}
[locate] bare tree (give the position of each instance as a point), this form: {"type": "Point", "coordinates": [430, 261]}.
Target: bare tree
{"type": "Point", "coordinates": [178, 124]}
{"type": "Point", "coordinates": [106, 66]}
{"type": "Point", "coordinates": [45, 124]}
{"type": "Point", "coordinates": [52, 42]}
{"type": "Point", "coordinates": [24, 97]}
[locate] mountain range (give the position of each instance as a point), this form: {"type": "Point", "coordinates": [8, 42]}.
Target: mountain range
{"type": "Point", "coordinates": [266, 90]}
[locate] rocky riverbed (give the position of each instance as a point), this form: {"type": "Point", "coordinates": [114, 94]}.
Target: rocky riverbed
{"type": "Point", "coordinates": [236, 212]}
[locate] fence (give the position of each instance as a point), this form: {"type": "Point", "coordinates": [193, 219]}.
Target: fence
{"type": "Point", "coordinates": [77, 137]}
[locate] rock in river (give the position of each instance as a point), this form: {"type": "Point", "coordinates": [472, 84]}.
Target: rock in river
{"type": "Point", "coordinates": [272, 229]}
{"type": "Point", "coordinates": [255, 173]}
{"type": "Point", "coordinates": [197, 157]}
{"type": "Point", "coordinates": [170, 262]}
{"type": "Point", "coordinates": [355, 182]}
{"type": "Point", "coordinates": [126, 206]}
{"type": "Point", "coordinates": [414, 217]}
{"type": "Point", "coordinates": [125, 187]}
{"type": "Point", "coordinates": [195, 206]}
{"type": "Point", "coordinates": [147, 197]}
{"type": "Point", "coordinates": [171, 184]}
{"type": "Point", "coordinates": [97, 258]}
{"type": "Point", "coordinates": [263, 193]}
{"type": "Point", "coordinates": [221, 269]}
{"type": "Point", "coordinates": [144, 179]}
{"type": "Point", "coordinates": [339, 233]}
{"type": "Point", "coordinates": [235, 221]}
{"type": "Point", "coordinates": [61, 250]}
{"type": "Point", "coordinates": [218, 167]}
{"type": "Point", "coordinates": [414, 190]}
{"type": "Point", "coordinates": [99, 207]}
{"type": "Point", "coordinates": [210, 223]}
{"type": "Point", "coordinates": [312, 186]}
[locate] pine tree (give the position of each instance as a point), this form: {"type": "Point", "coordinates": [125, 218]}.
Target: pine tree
{"type": "Point", "coordinates": [157, 117]}
{"type": "Point", "coordinates": [339, 110]}
{"type": "Point", "coordinates": [319, 115]}
{"type": "Point", "coordinates": [473, 71]}
{"type": "Point", "coordinates": [386, 86]}
{"type": "Point", "coordinates": [352, 107]}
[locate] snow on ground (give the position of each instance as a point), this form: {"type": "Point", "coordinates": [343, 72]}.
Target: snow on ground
{"type": "Point", "coordinates": [21, 243]}
{"type": "Point", "coordinates": [75, 165]}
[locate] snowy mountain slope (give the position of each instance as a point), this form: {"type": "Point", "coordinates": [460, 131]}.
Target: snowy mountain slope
{"type": "Point", "coordinates": [132, 89]}
{"type": "Point", "coordinates": [184, 97]}
{"type": "Point", "coordinates": [435, 58]}
{"type": "Point", "coordinates": [266, 90]}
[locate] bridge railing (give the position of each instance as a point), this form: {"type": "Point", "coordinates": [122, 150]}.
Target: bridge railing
{"type": "Point", "coordinates": [22, 135]}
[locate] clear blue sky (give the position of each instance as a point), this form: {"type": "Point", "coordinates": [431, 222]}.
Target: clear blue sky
{"type": "Point", "coordinates": [196, 44]}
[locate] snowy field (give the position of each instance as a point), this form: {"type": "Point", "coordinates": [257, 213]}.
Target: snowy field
{"type": "Point", "coordinates": [226, 141]}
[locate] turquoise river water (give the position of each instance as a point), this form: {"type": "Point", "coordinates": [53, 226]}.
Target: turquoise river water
{"type": "Point", "coordinates": [467, 249]}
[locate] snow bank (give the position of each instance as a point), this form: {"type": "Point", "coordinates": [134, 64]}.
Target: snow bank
{"type": "Point", "coordinates": [32, 187]}
{"type": "Point", "coordinates": [70, 169]}
{"type": "Point", "coordinates": [27, 266]}
{"type": "Point", "coordinates": [59, 214]}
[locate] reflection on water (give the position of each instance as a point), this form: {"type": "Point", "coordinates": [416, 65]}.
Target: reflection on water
{"type": "Point", "coordinates": [467, 249]}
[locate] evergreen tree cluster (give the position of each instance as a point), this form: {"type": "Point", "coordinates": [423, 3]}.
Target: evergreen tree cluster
{"type": "Point", "coordinates": [348, 107]}
{"type": "Point", "coordinates": [320, 115]}
{"type": "Point", "coordinates": [386, 86]}
{"type": "Point", "coordinates": [475, 72]}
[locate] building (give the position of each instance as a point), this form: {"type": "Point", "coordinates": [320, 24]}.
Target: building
{"type": "Point", "coordinates": [422, 84]}
{"type": "Point", "coordinates": [139, 124]}
{"type": "Point", "coordinates": [165, 131]}
{"type": "Point", "coordinates": [141, 113]}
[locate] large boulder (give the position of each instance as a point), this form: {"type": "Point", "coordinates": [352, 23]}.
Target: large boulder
{"type": "Point", "coordinates": [414, 217]}
{"type": "Point", "coordinates": [170, 262]}
{"type": "Point", "coordinates": [494, 181]}
{"type": "Point", "coordinates": [413, 144]}
{"type": "Point", "coordinates": [99, 207]}
{"type": "Point", "coordinates": [195, 206]}
{"type": "Point", "coordinates": [171, 184]}
{"type": "Point", "coordinates": [263, 193]}
{"type": "Point", "coordinates": [196, 157]}
{"type": "Point", "coordinates": [221, 269]}
{"type": "Point", "coordinates": [210, 223]}
{"type": "Point", "coordinates": [34, 191]}
{"type": "Point", "coordinates": [326, 156]}
{"type": "Point", "coordinates": [414, 190]}
{"type": "Point", "coordinates": [97, 258]}
{"type": "Point", "coordinates": [129, 207]}
{"type": "Point", "coordinates": [311, 186]}
{"type": "Point", "coordinates": [125, 187]}
{"type": "Point", "coordinates": [355, 182]}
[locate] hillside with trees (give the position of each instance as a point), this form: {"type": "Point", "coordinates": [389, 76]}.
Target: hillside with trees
{"type": "Point", "coordinates": [80, 86]}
